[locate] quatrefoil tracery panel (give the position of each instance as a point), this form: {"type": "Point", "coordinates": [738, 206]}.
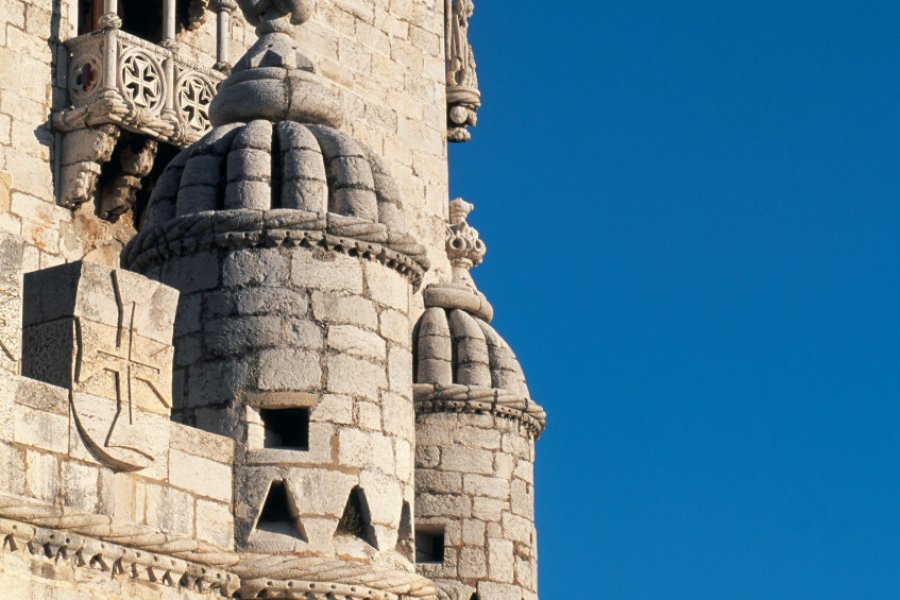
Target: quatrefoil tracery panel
{"type": "Point", "coordinates": [193, 97]}
{"type": "Point", "coordinates": [142, 79]}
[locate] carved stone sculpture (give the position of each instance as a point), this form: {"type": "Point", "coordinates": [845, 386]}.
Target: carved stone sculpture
{"type": "Point", "coordinates": [136, 161]}
{"type": "Point", "coordinates": [106, 335]}
{"type": "Point", "coordinates": [84, 152]}
{"type": "Point", "coordinates": [463, 95]}
{"type": "Point", "coordinates": [196, 14]}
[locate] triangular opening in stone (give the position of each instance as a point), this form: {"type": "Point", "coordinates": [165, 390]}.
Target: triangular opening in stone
{"type": "Point", "coordinates": [405, 538]}
{"type": "Point", "coordinates": [357, 520]}
{"type": "Point", "coordinates": [278, 514]}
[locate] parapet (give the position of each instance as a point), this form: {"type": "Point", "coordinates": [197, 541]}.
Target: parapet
{"type": "Point", "coordinates": [97, 478]}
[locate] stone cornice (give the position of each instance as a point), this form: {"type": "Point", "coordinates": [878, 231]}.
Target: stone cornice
{"type": "Point", "coordinates": [192, 233]}
{"type": "Point", "coordinates": [457, 398]}
{"type": "Point", "coordinates": [98, 542]}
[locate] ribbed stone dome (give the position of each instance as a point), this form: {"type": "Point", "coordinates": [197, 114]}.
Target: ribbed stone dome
{"type": "Point", "coordinates": [462, 363]}
{"type": "Point", "coordinates": [276, 170]}
{"type": "Point", "coordinates": [260, 177]}
{"type": "Point", "coordinates": [456, 346]}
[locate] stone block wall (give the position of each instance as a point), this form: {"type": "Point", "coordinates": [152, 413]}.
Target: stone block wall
{"type": "Point", "coordinates": [386, 60]}
{"type": "Point", "coordinates": [53, 480]}
{"type": "Point", "coordinates": [268, 329]}
{"type": "Point", "coordinates": [475, 483]}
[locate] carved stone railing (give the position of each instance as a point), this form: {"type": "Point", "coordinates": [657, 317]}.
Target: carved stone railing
{"type": "Point", "coordinates": [115, 77]}
{"type": "Point", "coordinates": [118, 82]}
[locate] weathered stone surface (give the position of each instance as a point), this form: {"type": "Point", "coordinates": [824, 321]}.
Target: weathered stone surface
{"type": "Point", "coordinates": [11, 253]}
{"type": "Point", "coordinates": [289, 369]}
{"type": "Point", "coordinates": [105, 334]}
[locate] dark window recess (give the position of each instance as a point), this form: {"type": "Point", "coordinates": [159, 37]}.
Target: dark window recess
{"type": "Point", "coordinates": [356, 520]}
{"type": "Point", "coordinates": [405, 522]}
{"type": "Point", "coordinates": [89, 13]}
{"type": "Point", "coordinates": [142, 18]}
{"type": "Point", "coordinates": [429, 545]}
{"type": "Point", "coordinates": [276, 515]}
{"type": "Point", "coordinates": [286, 428]}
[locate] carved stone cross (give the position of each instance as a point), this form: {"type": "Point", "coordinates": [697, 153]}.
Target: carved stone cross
{"type": "Point", "coordinates": [140, 77]}
{"type": "Point", "coordinates": [105, 334]}
{"type": "Point", "coordinates": [129, 369]}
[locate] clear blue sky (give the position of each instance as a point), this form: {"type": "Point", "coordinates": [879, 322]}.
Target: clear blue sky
{"type": "Point", "coordinates": [692, 212]}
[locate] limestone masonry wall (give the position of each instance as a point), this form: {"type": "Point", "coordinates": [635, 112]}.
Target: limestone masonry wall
{"type": "Point", "coordinates": [475, 482]}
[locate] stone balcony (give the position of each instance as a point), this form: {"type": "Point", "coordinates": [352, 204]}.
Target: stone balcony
{"type": "Point", "coordinates": [119, 79]}
{"type": "Point", "coordinates": [125, 95]}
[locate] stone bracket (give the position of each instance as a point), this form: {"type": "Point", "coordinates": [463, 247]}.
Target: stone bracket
{"type": "Point", "coordinates": [84, 152]}
{"type": "Point", "coordinates": [119, 195]}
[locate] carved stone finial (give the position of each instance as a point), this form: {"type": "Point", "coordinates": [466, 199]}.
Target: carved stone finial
{"type": "Point", "coordinates": [463, 95]}
{"type": "Point", "coordinates": [464, 246]}
{"type": "Point", "coordinates": [268, 15]}
{"type": "Point", "coordinates": [274, 80]}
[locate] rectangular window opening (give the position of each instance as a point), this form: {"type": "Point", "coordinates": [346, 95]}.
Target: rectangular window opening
{"type": "Point", "coordinates": [286, 428]}
{"type": "Point", "coordinates": [429, 545]}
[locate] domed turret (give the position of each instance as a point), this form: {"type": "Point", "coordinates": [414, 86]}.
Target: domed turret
{"type": "Point", "coordinates": [287, 240]}
{"type": "Point", "coordinates": [274, 170]}
{"type": "Point", "coordinates": [475, 430]}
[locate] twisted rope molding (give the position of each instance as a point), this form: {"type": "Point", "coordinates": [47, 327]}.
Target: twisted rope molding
{"type": "Point", "coordinates": [100, 542]}
{"type": "Point", "coordinates": [267, 576]}
{"type": "Point", "coordinates": [108, 557]}
{"type": "Point", "coordinates": [191, 233]}
{"type": "Point", "coordinates": [459, 398]}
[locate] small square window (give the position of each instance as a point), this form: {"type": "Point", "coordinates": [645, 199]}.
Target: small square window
{"type": "Point", "coordinates": [430, 545]}
{"type": "Point", "coordinates": [286, 428]}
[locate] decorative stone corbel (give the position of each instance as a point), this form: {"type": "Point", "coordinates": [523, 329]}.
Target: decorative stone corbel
{"type": "Point", "coordinates": [84, 151]}
{"type": "Point", "coordinates": [118, 197]}
{"type": "Point", "coordinates": [196, 14]}
{"type": "Point", "coordinates": [463, 95]}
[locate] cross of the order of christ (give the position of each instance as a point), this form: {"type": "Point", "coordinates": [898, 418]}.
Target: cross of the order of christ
{"type": "Point", "coordinates": [131, 369]}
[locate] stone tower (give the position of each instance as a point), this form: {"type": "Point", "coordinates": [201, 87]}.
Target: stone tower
{"type": "Point", "coordinates": [475, 431]}
{"type": "Point", "coordinates": [241, 353]}
{"type": "Point", "coordinates": [289, 237]}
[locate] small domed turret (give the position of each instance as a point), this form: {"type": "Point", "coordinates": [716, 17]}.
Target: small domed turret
{"type": "Point", "coordinates": [476, 425]}
{"type": "Point", "coordinates": [462, 363]}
